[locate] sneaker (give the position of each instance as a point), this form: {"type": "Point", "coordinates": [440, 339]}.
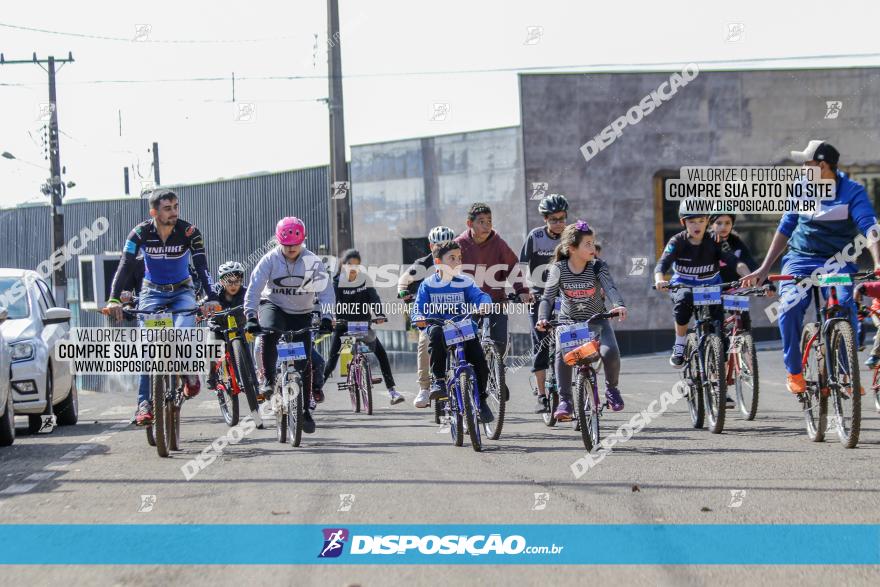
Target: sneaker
{"type": "Point", "coordinates": [308, 422]}
{"type": "Point", "coordinates": [144, 416]}
{"type": "Point", "coordinates": [612, 396]}
{"type": "Point", "coordinates": [423, 399]}
{"type": "Point", "coordinates": [318, 395]}
{"type": "Point", "coordinates": [212, 384]}
{"type": "Point", "coordinates": [729, 401]}
{"type": "Point", "coordinates": [438, 388]}
{"type": "Point", "coordinates": [563, 411]}
{"type": "Point", "coordinates": [796, 383]}
{"type": "Point", "coordinates": [265, 392]}
{"type": "Point", "coordinates": [395, 397]}
{"type": "Point", "coordinates": [312, 403]}
{"type": "Point", "coordinates": [486, 414]}
{"type": "Point", "coordinates": [873, 362]}
{"type": "Point", "coordinates": [192, 387]}
{"type": "Point", "coordinates": [542, 406]}
{"type": "Point", "coordinates": [676, 359]}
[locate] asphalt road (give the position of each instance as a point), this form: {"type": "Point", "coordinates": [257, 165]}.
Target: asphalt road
{"type": "Point", "coordinates": [399, 469]}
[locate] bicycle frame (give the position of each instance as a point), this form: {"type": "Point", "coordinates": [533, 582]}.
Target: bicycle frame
{"type": "Point", "coordinates": [825, 319]}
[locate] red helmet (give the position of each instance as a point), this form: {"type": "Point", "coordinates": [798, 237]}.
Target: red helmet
{"type": "Point", "coordinates": [290, 231]}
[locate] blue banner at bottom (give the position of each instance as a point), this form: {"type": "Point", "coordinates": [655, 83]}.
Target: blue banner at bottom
{"type": "Point", "coordinates": [623, 544]}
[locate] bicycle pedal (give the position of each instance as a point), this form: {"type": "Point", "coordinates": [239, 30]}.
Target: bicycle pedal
{"type": "Point", "coordinates": [376, 380]}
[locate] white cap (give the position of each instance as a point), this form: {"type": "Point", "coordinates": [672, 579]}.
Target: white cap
{"type": "Point", "coordinates": [807, 154]}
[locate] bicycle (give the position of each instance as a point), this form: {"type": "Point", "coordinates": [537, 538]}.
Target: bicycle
{"type": "Point", "coordinates": [235, 371]}
{"type": "Point", "coordinates": [359, 380]}
{"type": "Point", "coordinates": [497, 393]}
{"type": "Point", "coordinates": [742, 357]}
{"type": "Point", "coordinates": [166, 390]}
{"type": "Point", "coordinates": [582, 349]}
{"type": "Point", "coordinates": [875, 380]}
{"type": "Point", "coordinates": [830, 362]}
{"type": "Point", "coordinates": [290, 396]}
{"type": "Point", "coordinates": [551, 397]}
{"type": "Point", "coordinates": [461, 406]}
{"type": "Point", "coordinates": [703, 374]}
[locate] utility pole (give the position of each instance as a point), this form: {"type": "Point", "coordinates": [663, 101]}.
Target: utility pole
{"type": "Point", "coordinates": [341, 236]}
{"type": "Point", "coordinates": [156, 164]}
{"type": "Point", "coordinates": [56, 186]}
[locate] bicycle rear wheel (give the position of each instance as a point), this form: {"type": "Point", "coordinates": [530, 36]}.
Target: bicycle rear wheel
{"type": "Point", "coordinates": [716, 384]}
{"type": "Point", "coordinates": [295, 409]}
{"type": "Point", "coordinates": [466, 385]}
{"type": "Point", "coordinates": [846, 393]}
{"type": "Point", "coordinates": [173, 401]}
{"type": "Point", "coordinates": [747, 377]}
{"type": "Point", "coordinates": [456, 422]}
{"type": "Point", "coordinates": [366, 385]}
{"type": "Point", "coordinates": [244, 372]}
{"type": "Point", "coordinates": [691, 379]}
{"type": "Point", "coordinates": [354, 391]}
{"type": "Point", "coordinates": [438, 410]}
{"type": "Point", "coordinates": [228, 404]}
{"type": "Point", "coordinates": [815, 403]}
{"type": "Point", "coordinates": [495, 390]}
{"type": "Point", "coordinates": [157, 388]}
{"type": "Point", "coordinates": [280, 413]}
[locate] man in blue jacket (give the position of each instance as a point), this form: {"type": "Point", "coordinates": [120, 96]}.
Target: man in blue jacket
{"type": "Point", "coordinates": [448, 295]}
{"type": "Point", "coordinates": [813, 239]}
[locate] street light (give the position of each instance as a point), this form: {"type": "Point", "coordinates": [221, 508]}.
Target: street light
{"type": "Point", "coordinates": [11, 157]}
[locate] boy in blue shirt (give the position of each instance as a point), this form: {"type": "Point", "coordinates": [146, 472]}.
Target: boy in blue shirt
{"type": "Point", "coordinates": [447, 295]}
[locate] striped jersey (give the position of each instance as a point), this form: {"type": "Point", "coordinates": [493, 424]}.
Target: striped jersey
{"type": "Point", "coordinates": [581, 293]}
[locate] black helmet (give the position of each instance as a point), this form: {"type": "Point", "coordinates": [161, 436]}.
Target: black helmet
{"type": "Point", "coordinates": [552, 204]}
{"type": "Point", "coordinates": [715, 217]}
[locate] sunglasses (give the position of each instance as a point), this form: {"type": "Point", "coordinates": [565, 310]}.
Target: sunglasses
{"type": "Point", "coordinates": [557, 220]}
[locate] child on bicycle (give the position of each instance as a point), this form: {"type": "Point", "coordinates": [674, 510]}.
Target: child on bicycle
{"type": "Point", "coordinates": [358, 301]}
{"type": "Point", "coordinates": [695, 260]}
{"type": "Point", "coordinates": [282, 292]}
{"type": "Point", "coordinates": [722, 231]}
{"type": "Point", "coordinates": [446, 295]}
{"type": "Point", "coordinates": [579, 278]}
{"type": "Point", "coordinates": [407, 287]}
{"type": "Point", "coordinates": [230, 293]}
{"type": "Point", "coordinates": [872, 290]}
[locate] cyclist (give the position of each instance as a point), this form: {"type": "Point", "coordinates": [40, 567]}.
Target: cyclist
{"type": "Point", "coordinates": [230, 293]}
{"type": "Point", "coordinates": [721, 229]}
{"type": "Point", "coordinates": [445, 295]}
{"type": "Point", "coordinates": [872, 290]}
{"type": "Point", "coordinates": [538, 252]}
{"type": "Point", "coordinates": [485, 254]}
{"type": "Point", "coordinates": [695, 260]}
{"type": "Point", "coordinates": [168, 244]}
{"type": "Point", "coordinates": [357, 301]}
{"type": "Point", "coordinates": [407, 287]}
{"type": "Point", "coordinates": [812, 240]}
{"type": "Point", "coordinates": [579, 278]}
{"type": "Point", "coordinates": [281, 295]}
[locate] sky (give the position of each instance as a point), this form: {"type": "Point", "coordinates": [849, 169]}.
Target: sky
{"type": "Point", "coordinates": [138, 63]}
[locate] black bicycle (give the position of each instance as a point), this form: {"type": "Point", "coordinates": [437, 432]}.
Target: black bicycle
{"type": "Point", "coordinates": [703, 373]}
{"type": "Point", "coordinates": [496, 386]}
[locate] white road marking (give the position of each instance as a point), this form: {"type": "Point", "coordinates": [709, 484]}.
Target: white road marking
{"type": "Point", "coordinates": [18, 488]}
{"type": "Point", "coordinates": [41, 476]}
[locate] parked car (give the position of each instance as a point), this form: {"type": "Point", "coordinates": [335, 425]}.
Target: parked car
{"type": "Point", "coordinates": [7, 411]}
{"type": "Point", "coordinates": [33, 327]}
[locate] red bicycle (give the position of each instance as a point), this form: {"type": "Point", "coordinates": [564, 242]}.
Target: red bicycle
{"type": "Point", "coordinates": [742, 358]}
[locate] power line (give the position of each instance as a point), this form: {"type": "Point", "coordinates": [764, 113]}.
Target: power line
{"type": "Point", "coordinates": [145, 40]}
{"type": "Point", "coordinates": [537, 68]}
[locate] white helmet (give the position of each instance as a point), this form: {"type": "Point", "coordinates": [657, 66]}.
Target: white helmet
{"type": "Point", "coordinates": [440, 234]}
{"type": "Point", "coordinates": [230, 267]}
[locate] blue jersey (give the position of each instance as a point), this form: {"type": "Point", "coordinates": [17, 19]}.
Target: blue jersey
{"type": "Point", "coordinates": [165, 262]}
{"type": "Point", "coordinates": [447, 300]}
{"type": "Point", "coordinates": [824, 233]}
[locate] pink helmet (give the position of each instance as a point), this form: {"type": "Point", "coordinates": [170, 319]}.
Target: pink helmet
{"type": "Point", "coordinates": [290, 231]}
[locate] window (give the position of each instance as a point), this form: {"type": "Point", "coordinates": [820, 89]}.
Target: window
{"type": "Point", "coordinates": [43, 296]}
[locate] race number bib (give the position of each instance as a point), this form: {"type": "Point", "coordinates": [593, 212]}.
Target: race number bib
{"type": "Point", "coordinates": [291, 350]}
{"type": "Point", "coordinates": [707, 296]}
{"type": "Point", "coordinates": [835, 279]}
{"type": "Point", "coordinates": [358, 328]}
{"type": "Point", "coordinates": [736, 303]}
{"type": "Point", "coordinates": [159, 321]}
{"type": "Point", "coordinates": [458, 332]}
{"type": "Point", "coordinates": [569, 336]}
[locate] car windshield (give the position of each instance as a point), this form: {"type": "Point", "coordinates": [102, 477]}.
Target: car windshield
{"type": "Point", "coordinates": [13, 299]}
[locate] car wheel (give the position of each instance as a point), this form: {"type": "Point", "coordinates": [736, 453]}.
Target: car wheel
{"type": "Point", "coordinates": [67, 411]}
{"type": "Point", "coordinates": [7, 423]}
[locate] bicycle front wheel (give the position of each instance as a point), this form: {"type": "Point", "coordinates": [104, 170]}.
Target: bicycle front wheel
{"type": "Point", "coordinates": [715, 385]}
{"type": "Point", "coordinates": [228, 404]}
{"type": "Point", "coordinates": [846, 390]}
{"type": "Point", "coordinates": [692, 382]}
{"type": "Point", "coordinates": [244, 372]}
{"type": "Point", "coordinates": [295, 409]}
{"type": "Point", "coordinates": [814, 402]}
{"type": "Point", "coordinates": [747, 377]}
{"type": "Point", "coordinates": [876, 387]}
{"type": "Point", "coordinates": [495, 390]}
{"type": "Point", "coordinates": [366, 384]}
{"type": "Point", "coordinates": [172, 404]}
{"type": "Point", "coordinates": [587, 415]}
{"type": "Point", "coordinates": [466, 386]}
{"type": "Point", "coordinates": [160, 430]}
{"type": "Point", "coordinates": [280, 409]}
{"type": "Point", "coordinates": [353, 384]}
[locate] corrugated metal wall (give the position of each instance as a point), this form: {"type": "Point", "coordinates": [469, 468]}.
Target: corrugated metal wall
{"type": "Point", "coordinates": [236, 216]}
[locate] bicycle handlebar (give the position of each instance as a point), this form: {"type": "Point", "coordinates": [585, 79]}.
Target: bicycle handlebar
{"type": "Point", "coordinates": [677, 286]}
{"type": "Point", "coordinates": [132, 313]}
{"type": "Point", "coordinates": [858, 276]}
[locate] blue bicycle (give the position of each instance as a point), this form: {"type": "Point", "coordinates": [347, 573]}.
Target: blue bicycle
{"type": "Point", "coordinates": [461, 406]}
